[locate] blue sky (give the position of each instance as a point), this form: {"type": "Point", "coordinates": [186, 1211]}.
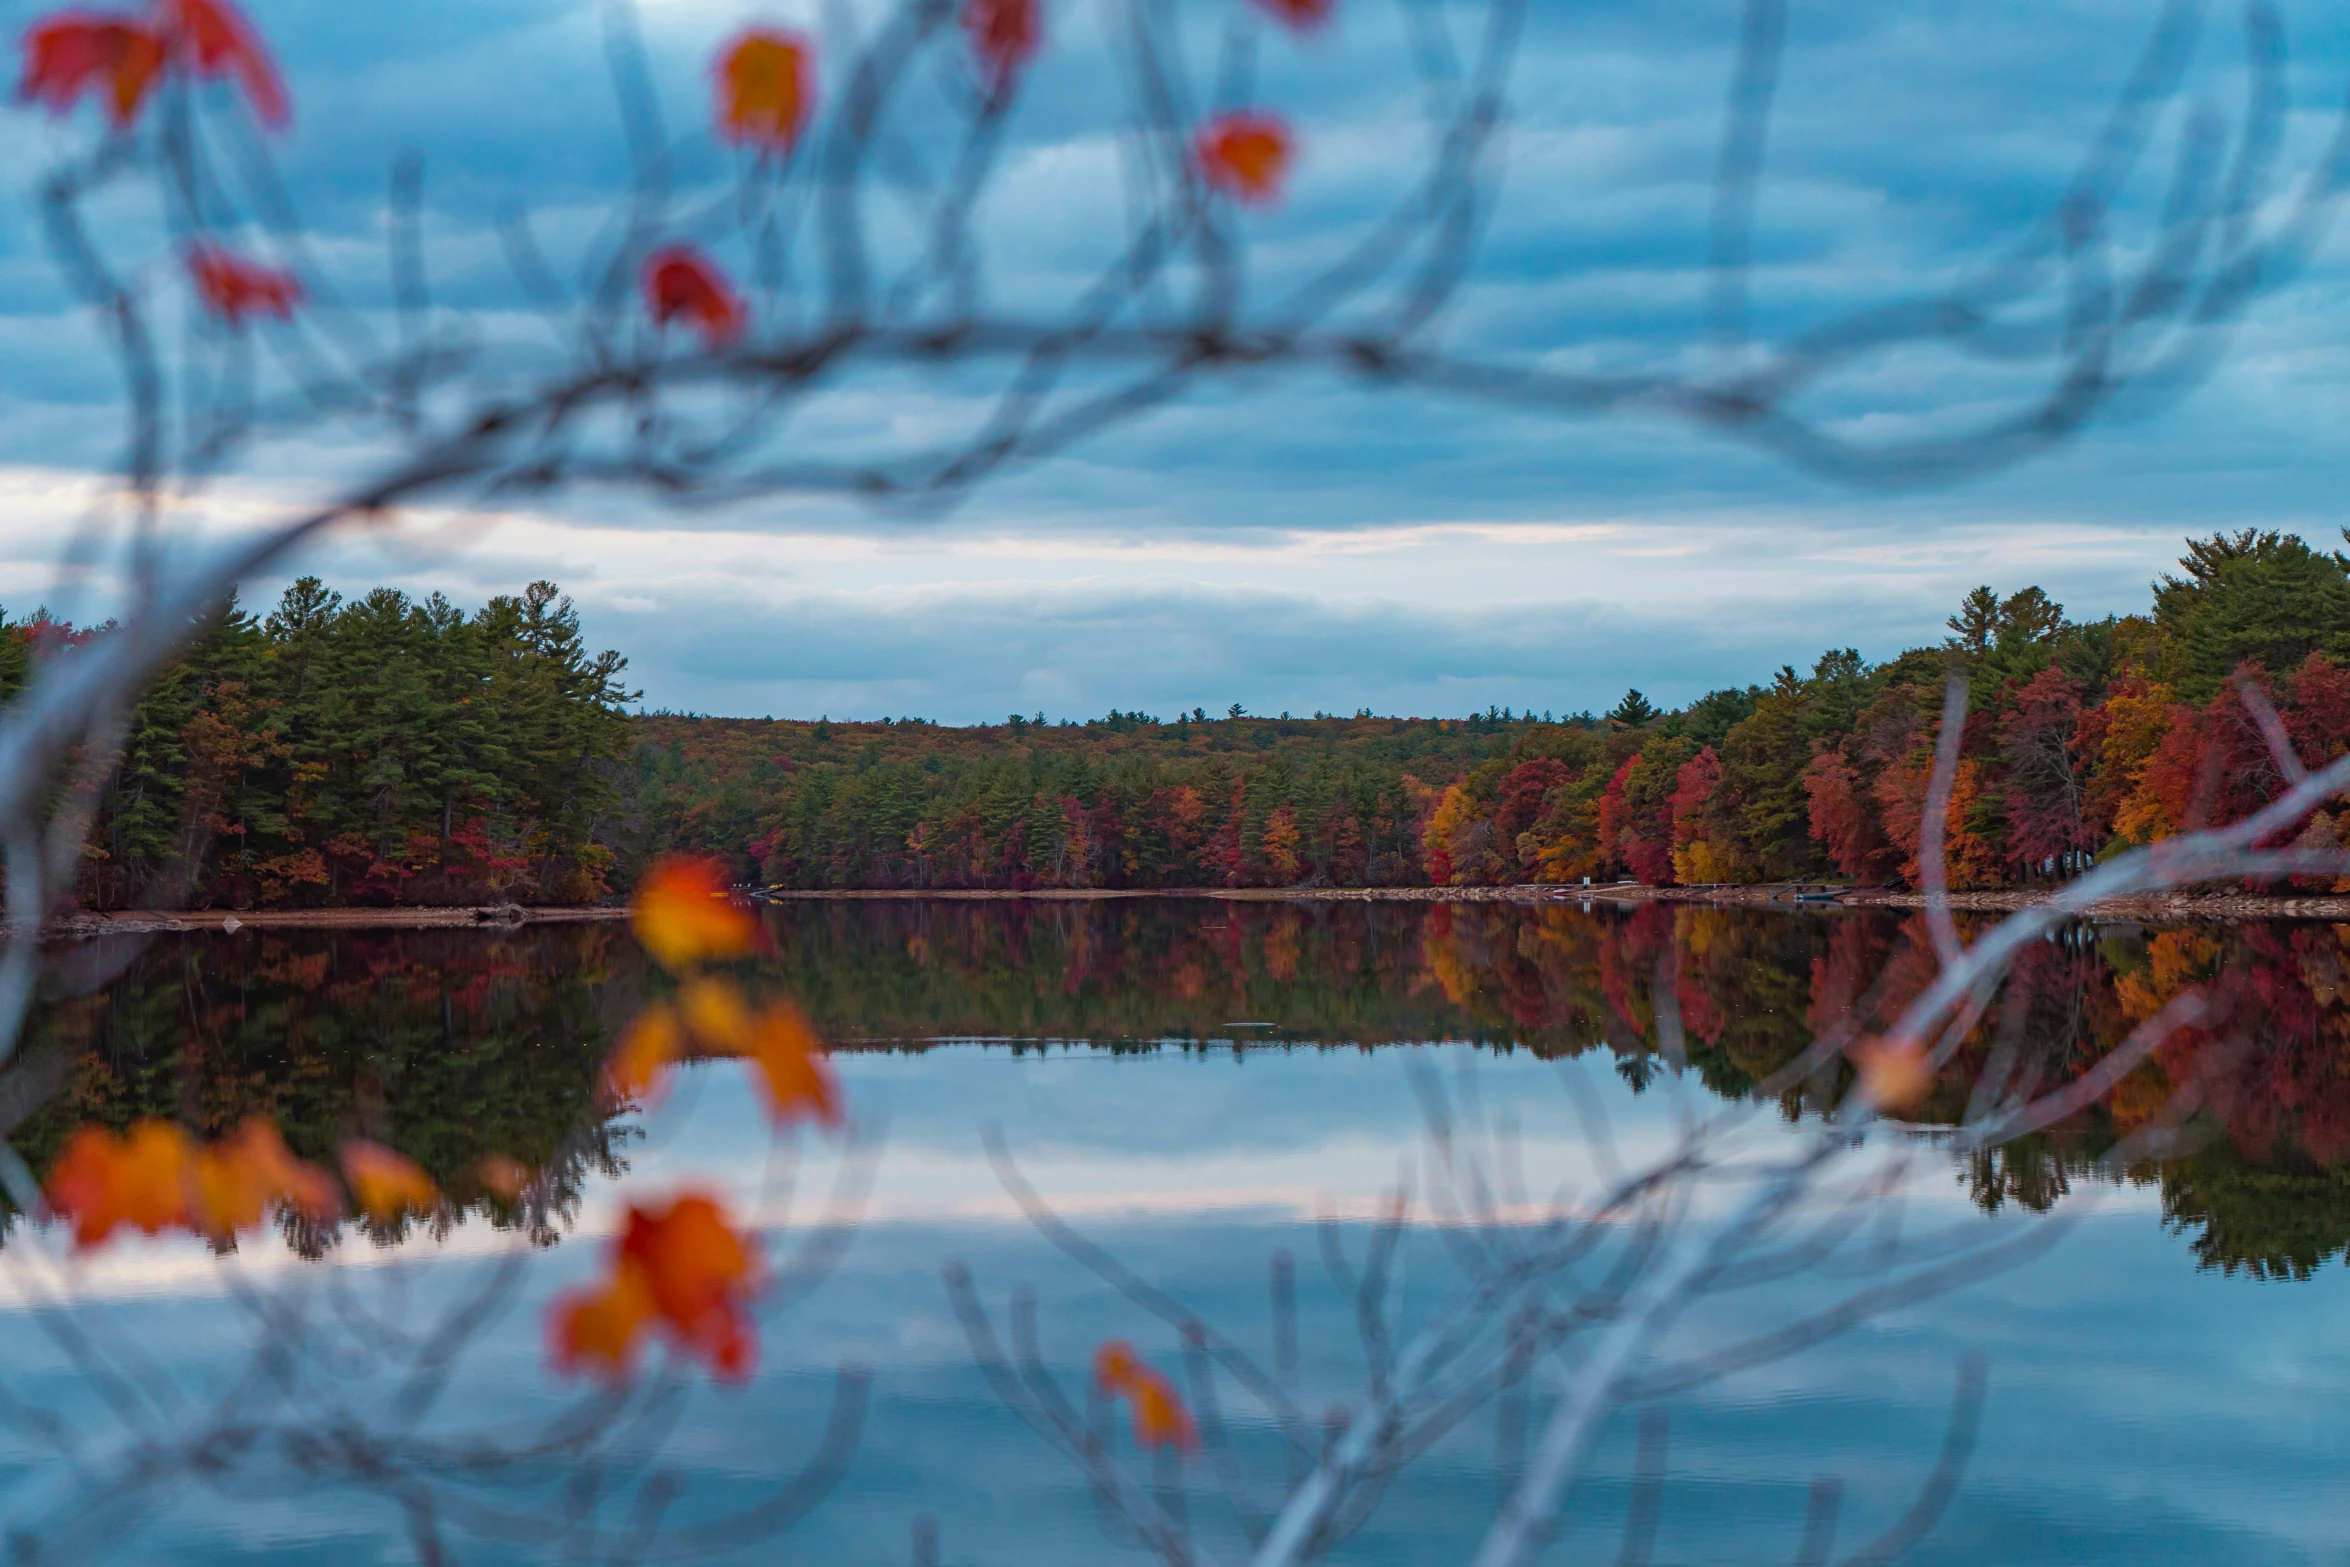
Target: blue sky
{"type": "Point", "coordinates": [1291, 542]}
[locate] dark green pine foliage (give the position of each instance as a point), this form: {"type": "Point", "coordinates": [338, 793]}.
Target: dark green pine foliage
{"type": "Point", "coordinates": [1634, 711]}
{"type": "Point", "coordinates": [2266, 598]}
{"type": "Point", "coordinates": [1763, 762]}
{"type": "Point", "coordinates": [380, 750]}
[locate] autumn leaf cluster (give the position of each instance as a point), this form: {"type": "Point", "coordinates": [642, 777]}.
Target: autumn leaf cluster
{"type": "Point", "coordinates": [155, 1178]}
{"type": "Point", "coordinates": [765, 94]}
{"type": "Point", "coordinates": [120, 59]}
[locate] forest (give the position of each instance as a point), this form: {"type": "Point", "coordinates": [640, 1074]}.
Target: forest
{"type": "Point", "coordinates": [2081, 738]}
{"type": "Point", "coordinates": [386, 749]}
{"type": "Point", "coordinates": [377, 750]}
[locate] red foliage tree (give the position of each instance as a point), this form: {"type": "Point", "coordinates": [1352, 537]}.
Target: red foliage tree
{"type": "Point", "coordinates": [2319, 721]}
{"type": "Point", "coordinates": [2045, 793]}
{"type": "Point", "coordinates": [2211, 767]}
{"type": "Point", "coordinates": [1522, 793]}
{"type": "Point", "coordinates": [1693, 791]}
{"type": "Point", "coordinates": [1701, 842]}
{"type": "Point", "coordinates": [1616, 828]}
{"type": "Point", "coordinates": [1840, 822]}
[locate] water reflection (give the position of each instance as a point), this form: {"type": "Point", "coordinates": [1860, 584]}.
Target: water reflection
{"type": "Point", "coordinates": [451, 1044]}
{"type": "Point", "coordinates": [2141, 1409]}
{"type": "Point", "coordinates": [455, 1044]}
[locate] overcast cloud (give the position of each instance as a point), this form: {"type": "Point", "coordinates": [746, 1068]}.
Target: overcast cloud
{"type": "Point", "coordinates": [1296, 544]}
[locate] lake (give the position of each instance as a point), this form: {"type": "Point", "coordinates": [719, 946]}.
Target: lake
{"type": "Point", "coordinates": [1218, 1096]}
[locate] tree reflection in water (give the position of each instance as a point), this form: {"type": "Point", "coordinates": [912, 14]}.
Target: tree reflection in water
{"type": "Point", "coordinates": [453, 1045]}
{"type": "Point", "coordinates": [448, 1046]}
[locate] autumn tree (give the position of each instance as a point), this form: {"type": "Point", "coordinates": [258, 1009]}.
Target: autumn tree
{"type": "Point", "coordinates": [2043, 793]}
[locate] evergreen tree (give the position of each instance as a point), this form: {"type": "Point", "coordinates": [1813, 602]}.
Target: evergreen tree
{"type": "Point", "coordinates": [383, 749]}
{"type": "Point", "coordinates": [1976, 622]}
{"type": "Point", "coordinates": [2266, 598]}
{"type": "Point", "coordinates": [1633, 712]}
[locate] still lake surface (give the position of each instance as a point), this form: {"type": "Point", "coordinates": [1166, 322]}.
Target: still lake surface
{"type": "Point", "coordinates": [1200, 1088]}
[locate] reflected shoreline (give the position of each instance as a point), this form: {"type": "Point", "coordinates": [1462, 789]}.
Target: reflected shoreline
{"type": "Point", "coordinates": [1789, 897]}
{"type": "Point", "coordinates": [449, 1044]}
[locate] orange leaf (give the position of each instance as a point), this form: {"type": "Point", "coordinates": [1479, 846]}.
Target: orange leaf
{"type": "Point", "coordinates": [233, 288]}
{"type": "Point", "coordinates": [639, 1064]}
{"type": "Point", "coordinates": [1160, 1420]}
{"type": "Point", "coordinates": [792, 1069]}
{"type": "Point", "coordinates": [503, 1178]}
{"type": "Point", "coordinates": [701, 1271]}
{"type": "Point", "coordinates": [216, 33]}
{"type": "Point", "coordinates": [597, 1330]}
{"type": "Point", "coordinates": [75, 51]}
{"type": "Point", "coordinates": [683, 914]}
{"type": "Point", "coordinates": [312, 1193]}
{"type": "Point", "coordinates": [683, 1268]}
{"type": "Point", "coordinates": [691, 1253]}
{"type": "Point", "coordinates": [227, 1192]}
{"type": "Point", "coordinates": [1893, 1074]}
{"type": "Point", "coordinates": [102, 1181]}
{"type": "Point", "coordinates": [1005, 35]}
{"type": "Point", "coordinates": [716, 1016]}
{"type": "Point", "coordinates": [235, 1180]}
{"type": "Point", "coordinates": [1114, 1365]}
{"type": "Point", "coordinates": [1245, 154]}
{"type": "Point", "coordinates": [386, 1184]}
{"type": "Point", "coordinates": [766, 88]}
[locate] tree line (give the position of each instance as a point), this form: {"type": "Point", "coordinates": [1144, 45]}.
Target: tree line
{"type": "Point", "coordinates": [2081, 737]}
{"type": "Point", "coordinates": [389, 749]}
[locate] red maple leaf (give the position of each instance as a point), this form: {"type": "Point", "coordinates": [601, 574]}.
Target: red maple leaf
{"type": "Point", "coordinates": [679, 282]}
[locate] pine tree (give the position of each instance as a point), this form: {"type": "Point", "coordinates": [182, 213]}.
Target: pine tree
{"type": "Point", "coordinates": [1633, 712]}
{"type": "Point", "coordinates": [1976, 623]}
{"type": "Point", "coordinates": [2264, 598]}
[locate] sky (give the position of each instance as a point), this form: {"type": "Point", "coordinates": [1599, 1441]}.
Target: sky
{"type": "Point", "coordinates": [1287, 539]}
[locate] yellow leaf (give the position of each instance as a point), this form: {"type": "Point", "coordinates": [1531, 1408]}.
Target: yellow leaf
{"type": "Point", "coordinates": [1893, 1074]}
{"type": "Point", "coordinates": [386, 1184]}
{"type": "Point", "coordinates": [717, 1016]}
{"type": "Point", "coordinates": [639, 1064]}
{"type": "Point", "coordinates": [684, 916]}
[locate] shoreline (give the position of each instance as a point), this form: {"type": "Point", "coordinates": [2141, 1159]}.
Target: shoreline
{"type": "Point", "coordinates": [505, 916]}
{"type": "Point", "coordinates": [1790, 897]}
{"type": "Point", "coordinates": [1787, 897]}
{"type": "Point", "coordinates": [2163, 908]}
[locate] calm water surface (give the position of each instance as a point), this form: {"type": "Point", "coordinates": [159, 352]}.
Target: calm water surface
{"type": "Point", "coordinates": [1197, 1085]}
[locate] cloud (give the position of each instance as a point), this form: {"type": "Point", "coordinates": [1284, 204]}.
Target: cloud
{"type": "Point", "coordinates": [1300, 541]}
{"type": "Point", "coordinates": [965, 624]}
